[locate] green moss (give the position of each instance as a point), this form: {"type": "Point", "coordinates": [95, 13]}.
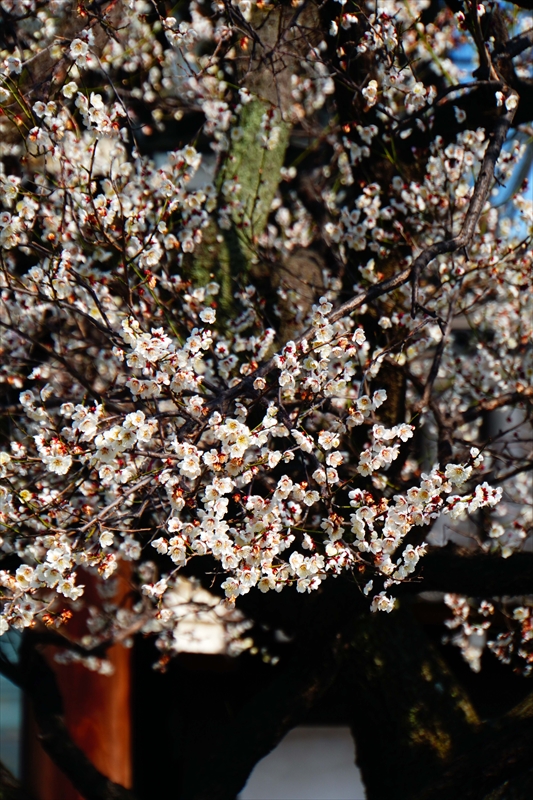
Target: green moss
{"type": "Point", "coordinates": [429, 733]}
{"type": "Point", "coordinates": [257, 168]}
{"type": "Point", "coordinates": [230, 254]}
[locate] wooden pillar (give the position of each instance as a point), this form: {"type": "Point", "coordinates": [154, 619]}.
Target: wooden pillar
{"type": "Point", "coordinates": [97, 714]}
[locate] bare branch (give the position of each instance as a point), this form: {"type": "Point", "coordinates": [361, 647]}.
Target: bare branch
{"type": "Point", "coordinates": [105, 511]}
{"type": "Point", "coordinates": [491, 404]}
{"type": "Point", "coordinates": [73, 372]}
{"type": "Point", "coordinates": [475, 575]}
{"type": "Point", "coordinates": [479, 197]}
{"type": "Point", "coordinates": [516, 45]}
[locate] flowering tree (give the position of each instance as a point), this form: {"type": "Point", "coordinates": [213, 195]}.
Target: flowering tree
{"type": "Point", "coordinates": [265, 314]}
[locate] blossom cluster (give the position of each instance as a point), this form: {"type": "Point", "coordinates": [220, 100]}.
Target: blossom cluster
{"type": "Point", "coordinates": [472, 623]}
{"type": "Point", "coordinates": [159, 417]}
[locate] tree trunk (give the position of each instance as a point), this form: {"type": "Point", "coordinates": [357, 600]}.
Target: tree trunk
{"type": "Point", "coordinates": [265, 69]}
{"type": "Point", "coordinates": [408, 715]}
{"type": "Point", "coordinates": [496, 763]}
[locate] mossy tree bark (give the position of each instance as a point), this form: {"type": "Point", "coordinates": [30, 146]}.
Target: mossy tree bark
{"type": "Point", "coordinates": [496, 763]}
{"type": "Point", "coordinates": [409, 716]}
{"type": "Point", "coordinates": [265, 66]}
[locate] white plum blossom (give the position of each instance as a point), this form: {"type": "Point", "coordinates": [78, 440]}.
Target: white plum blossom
{"type": "Point", "coordinates": [370, 92]}
{"type": "Point", "coordinates": [224, 354]}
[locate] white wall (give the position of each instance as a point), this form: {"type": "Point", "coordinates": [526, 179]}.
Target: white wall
{"type": "Point", "coordinates": [310, 763]}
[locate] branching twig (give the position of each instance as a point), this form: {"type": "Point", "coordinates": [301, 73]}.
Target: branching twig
{"type": "Point", "coordinates": [105, 511]}
{"type": "Point", "coordinates": [479, 197]}
{"type": "Point", "coordinates": [73, 372]}
{"type": "Point", "coordinates": [436, 361]}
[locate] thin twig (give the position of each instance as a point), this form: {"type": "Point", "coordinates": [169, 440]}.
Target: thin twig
{"type": "Point", "coordinates": [479, 197]}
{"type": "Point", "coordinates": [115, 503]}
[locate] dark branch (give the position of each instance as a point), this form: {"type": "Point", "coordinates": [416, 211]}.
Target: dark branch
{"type": "Point", "coordinates": [511, 398]}
{"type": "Point", "coordinates": [516, 45]}
{"type": "Point", "coordinates": [444, 570]}
{"type": "Point", "coordinates": [67, 364]}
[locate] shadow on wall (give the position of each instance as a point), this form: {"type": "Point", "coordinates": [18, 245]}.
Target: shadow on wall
{"type": "Point", "coordinates": [310, 763]}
